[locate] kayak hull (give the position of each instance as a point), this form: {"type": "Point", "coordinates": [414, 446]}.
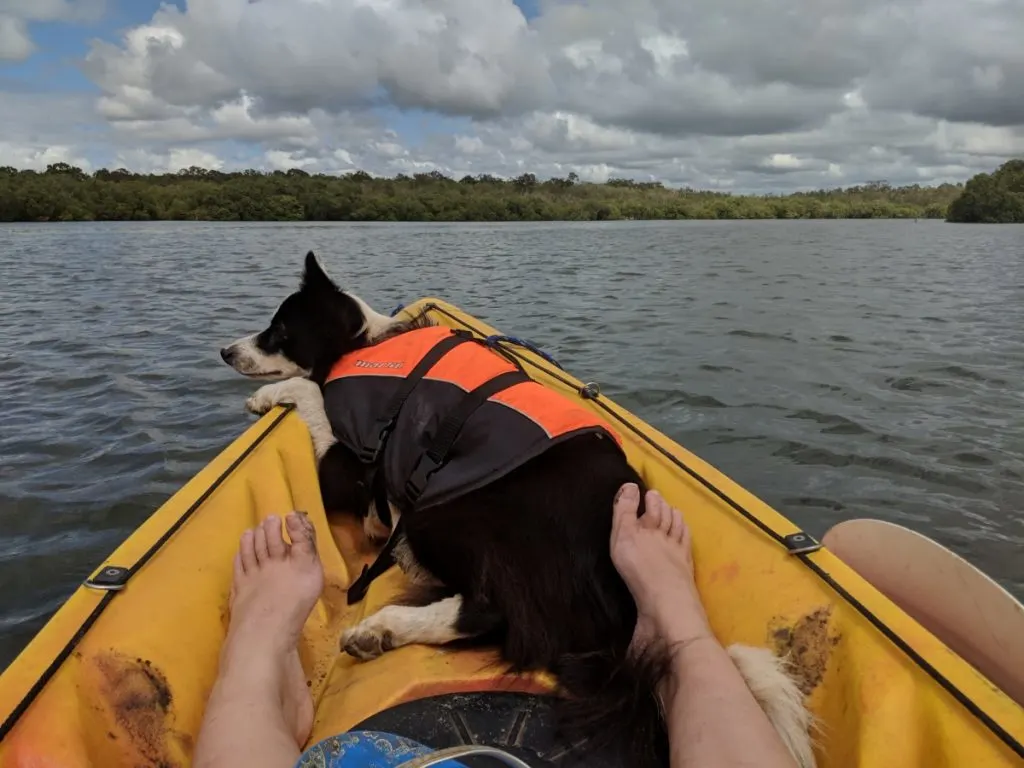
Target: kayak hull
{"type": "Point", "coordinates": [130, 689]}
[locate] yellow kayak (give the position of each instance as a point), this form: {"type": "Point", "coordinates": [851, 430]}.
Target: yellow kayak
{"type": "Point", "coordinates": [120, 674]}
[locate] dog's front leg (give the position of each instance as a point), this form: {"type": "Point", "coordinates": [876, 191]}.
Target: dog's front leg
{"type": "Point", "coordinates": [396, 625]}
{"type": "Point", "coordinates": [305, 395]}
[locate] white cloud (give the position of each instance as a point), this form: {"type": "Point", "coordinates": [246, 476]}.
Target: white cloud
{"type": "Point", "coordinates": [37, 158]}
{"type": "Point", "coordinates": [15, 41]}
{"type": "Point", "coordinates": [723, 94]}
{"type": "Point", "coordinates": [171, 161]}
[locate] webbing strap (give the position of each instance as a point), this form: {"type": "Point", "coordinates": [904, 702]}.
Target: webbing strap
{"type": "Point", "coordinates": [382, 427]}
{"type": "Point", "coordinates": [357, 589]}
{"type": "Point", "coordinates": [429, 461]}
{"type": "Point", "coordinates": [437, 452]}
{"type": "Point", "coordinates": [370, 455]}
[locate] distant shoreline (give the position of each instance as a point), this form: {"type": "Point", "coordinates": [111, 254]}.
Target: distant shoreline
{"type": "Point", "coordinates": [66, 193]}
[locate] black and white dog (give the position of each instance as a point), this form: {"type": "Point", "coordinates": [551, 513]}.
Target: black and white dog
{"type": "Point", "coordinates": [522, 562]}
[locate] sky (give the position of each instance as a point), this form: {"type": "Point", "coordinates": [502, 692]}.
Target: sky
{"type": "Point", "coordinates": [732, 95]}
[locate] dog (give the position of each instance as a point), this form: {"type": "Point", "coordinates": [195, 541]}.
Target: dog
{"type": "Point", "coordinates": [521, 561]}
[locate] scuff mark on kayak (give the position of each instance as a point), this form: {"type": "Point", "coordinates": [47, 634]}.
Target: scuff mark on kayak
{"type": "Point", "coordinates": [141, 702]}
{"type": "Point", "coordinates": [806, 644]}
{"type": "Point", "coordinates": [726, 573]}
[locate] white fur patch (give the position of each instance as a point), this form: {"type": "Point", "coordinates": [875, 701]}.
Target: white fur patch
{"type": "Point", "coordinates": [374, 528]}
{"type": "Point", "coordinates": [780, 698]}
{"type": "Point", "coordinates": [250, 360]}
{"type": "Point", "coordinates": [305, 395]}
{"type": "Point", "coordinates": [396, 625]}
{"type": "Point", "coordinates": [374, 323]}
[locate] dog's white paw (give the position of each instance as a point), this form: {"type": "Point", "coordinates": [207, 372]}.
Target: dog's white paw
{"type": "Point", "coordinates": [289, 392]}
{"type": "Point", "coordinates": [365, 641]}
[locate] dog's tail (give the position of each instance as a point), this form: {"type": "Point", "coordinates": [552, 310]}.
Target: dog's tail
{"type": "Point", "coordinates": [779, 696]}
{"type": "Point", "coordinates": [612, 703]}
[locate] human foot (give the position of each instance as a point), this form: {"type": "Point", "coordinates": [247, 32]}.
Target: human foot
{"type": "Point", "coordinates": [275, 587]}
{"type": "Point", "coordinates": [653, 555]}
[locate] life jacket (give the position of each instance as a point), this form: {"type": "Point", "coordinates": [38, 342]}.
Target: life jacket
{"type": "Point", "coordinates": [442, 414]}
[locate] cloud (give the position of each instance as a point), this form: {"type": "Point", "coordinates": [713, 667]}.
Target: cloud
{"type": "Point", "coordinates": [776, 95]}
{"type": "Point", "coordinates": [37, 158]}
{"type": "Point", "coordinates": [16, 43]}
{"type": "Point", "coordinates": [171, 161]}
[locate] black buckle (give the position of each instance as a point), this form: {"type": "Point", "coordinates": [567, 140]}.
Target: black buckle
{"type": "Point", "coordinates": [420, 476]}
{"type": "Point", "coordinates": [368, 453]}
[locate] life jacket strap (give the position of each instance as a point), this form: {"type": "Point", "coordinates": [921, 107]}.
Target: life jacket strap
{"type": "Point", "coordinates": [436, 454]}
{"type": "Point", "coordinates": [430, 460]}
{"type": "Point", "coordinates": [357, 589]}
{"type": "Point", "coordinates": [370, 455]}
{"type": "Point", "coordinates": [370, 451]}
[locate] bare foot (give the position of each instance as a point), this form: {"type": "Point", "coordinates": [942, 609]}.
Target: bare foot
{"type": "Point", "coordinates": [260, 703]}
{"type": "Point", "coordinates": [653, 555]}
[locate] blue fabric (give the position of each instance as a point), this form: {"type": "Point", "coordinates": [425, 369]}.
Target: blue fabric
{"type": "Point", "coordinates": [366, 749]}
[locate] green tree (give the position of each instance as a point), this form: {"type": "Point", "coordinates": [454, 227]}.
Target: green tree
{"type": "Point", "coordinates": [992, 198]}
{"type": "Point", "coordinates": [64, 192]}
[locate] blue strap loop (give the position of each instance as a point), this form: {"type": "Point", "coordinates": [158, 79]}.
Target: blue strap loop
{"type": "Point", "coordinates": [494, 340]}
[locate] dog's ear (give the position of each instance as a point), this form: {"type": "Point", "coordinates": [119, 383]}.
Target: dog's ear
{"type": "Point", "coordinates": [314, 278]}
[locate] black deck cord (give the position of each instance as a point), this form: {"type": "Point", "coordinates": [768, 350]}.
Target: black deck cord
{"type": "Point", "coordinates": [1003, 735]}
{"type": "Point", "coordinates": [69, 648]}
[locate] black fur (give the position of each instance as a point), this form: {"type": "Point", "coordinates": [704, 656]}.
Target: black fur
{"type": "Point", "coordinates": [529, 553]}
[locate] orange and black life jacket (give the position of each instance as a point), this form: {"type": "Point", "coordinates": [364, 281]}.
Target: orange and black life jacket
{"type": "Point", "coordinates": [435, 413]}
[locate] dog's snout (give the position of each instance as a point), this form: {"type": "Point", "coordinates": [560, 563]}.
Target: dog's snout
{"type": "Point", "coordinates": [227, 354]}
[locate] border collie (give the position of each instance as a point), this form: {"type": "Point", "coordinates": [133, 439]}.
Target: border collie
{"type": "Point", "coordinates": [522, 563]}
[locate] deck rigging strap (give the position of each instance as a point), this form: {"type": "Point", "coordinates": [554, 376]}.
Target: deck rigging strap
{"type": "Point", "coordinates": [591, 392]}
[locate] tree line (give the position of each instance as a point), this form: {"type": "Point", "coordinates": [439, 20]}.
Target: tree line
{"type": "Point", "coordinates": [992, 198]}
{"type": "Point", "coordinates": [66, 193]}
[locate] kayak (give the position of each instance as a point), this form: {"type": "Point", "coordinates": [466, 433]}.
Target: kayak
{"type": "Point", "coordinates": [120, 674]}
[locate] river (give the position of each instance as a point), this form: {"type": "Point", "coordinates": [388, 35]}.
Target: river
{"type": "Point", "coordinates": [837, 369]}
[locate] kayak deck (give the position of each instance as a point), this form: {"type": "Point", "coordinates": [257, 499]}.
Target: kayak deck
{"type": "Point", "coordinates": [120, 677]}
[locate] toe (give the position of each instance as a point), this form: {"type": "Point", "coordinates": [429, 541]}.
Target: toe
{"type": "Point", "coordinates": [275, 541]}
{"type": "Point", "coordinates": [260, 544]}
{"type": "Point", "coordinates": [653, 514]}
{"type": "Point", "coordinates": [676, 530]}
{"type": "Point", "coordinates": [664, 513]}
{"type": "Point", "coordinates": [302, 534]}
{"type": "Point", "coordinates": [247, 552]}
{"type": "Point", "coordinates": [625, 506]}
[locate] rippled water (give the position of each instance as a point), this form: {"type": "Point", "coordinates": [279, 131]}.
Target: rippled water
{"type": "Point", "coordinates": [837, 369]}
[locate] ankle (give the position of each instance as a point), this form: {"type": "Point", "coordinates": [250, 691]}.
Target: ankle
{"type": "Point", "coordinates": [683, 654]}
{"type": "Point", "coordinates": [680, 626]}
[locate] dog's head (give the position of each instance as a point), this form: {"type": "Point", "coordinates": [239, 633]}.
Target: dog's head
{"type": "Point", "coordinates": [311, 329]}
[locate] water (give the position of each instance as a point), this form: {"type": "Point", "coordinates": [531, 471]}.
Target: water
{"type": "Point", "coordinates": [837, 369]}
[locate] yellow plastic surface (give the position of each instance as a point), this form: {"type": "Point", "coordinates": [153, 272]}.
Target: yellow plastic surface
{"type": "Point", "coordinates": [132, 692]}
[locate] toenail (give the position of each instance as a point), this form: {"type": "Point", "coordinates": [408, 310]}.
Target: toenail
{"type": "Point", "coordinates": [629, 491]}
{"type": "Point", "coordinates": [273, 518]}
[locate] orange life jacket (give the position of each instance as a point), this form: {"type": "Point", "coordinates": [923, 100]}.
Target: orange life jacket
{"type": "Point", "coordinates": [439, 414]}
